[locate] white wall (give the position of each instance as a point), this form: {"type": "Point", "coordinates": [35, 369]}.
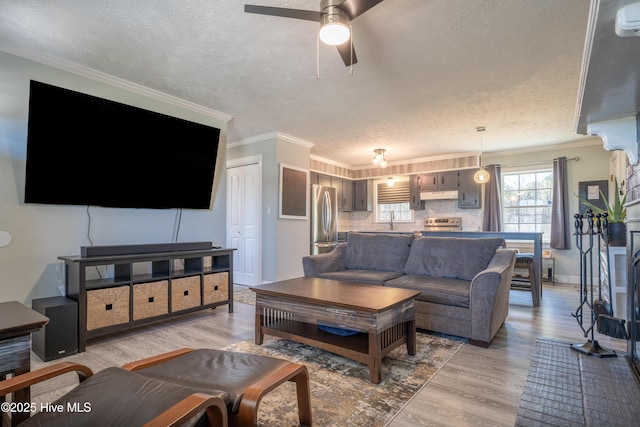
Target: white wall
{"type": "Point", "coordinates": [28, 266]}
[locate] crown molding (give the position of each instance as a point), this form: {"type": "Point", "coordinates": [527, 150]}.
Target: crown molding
{"type": "Point", "coordinates": [587, 142]}
{"type": "Point", "coordinates": [90, 73]}
{"type": "Point", "coordinates": [271, 136]}
{"type": "Point", "coordinates": [253, 139]}
{"type": "Point", "coordinates": [294, 140]}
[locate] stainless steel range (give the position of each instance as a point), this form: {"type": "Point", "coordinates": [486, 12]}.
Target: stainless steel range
{"type": "Point", "coordinates": [443, 224]}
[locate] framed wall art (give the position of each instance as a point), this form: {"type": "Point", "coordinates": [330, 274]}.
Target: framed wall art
{"type": "Point", "coordinates": [294, 185]}
{"type": "Point", "coordinates": [590, 191]}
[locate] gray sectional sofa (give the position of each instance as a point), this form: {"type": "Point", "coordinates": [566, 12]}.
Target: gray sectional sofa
{"type": "Point", "coordinates": [464, 282]}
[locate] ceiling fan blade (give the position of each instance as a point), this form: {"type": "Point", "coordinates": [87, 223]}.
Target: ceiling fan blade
{"type": "Point", "coordinates": [344, 50]}
{"type": "Point", "coordinates": [355, 8]}
{"type": "Point", "coordinates": [307, 15]}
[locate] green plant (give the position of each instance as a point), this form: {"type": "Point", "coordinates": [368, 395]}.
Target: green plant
{"type": "Point", "coordinates": [616, 211]}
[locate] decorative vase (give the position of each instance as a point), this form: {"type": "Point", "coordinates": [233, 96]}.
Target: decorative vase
{"type": "Point", "coordinates": [617, 234]}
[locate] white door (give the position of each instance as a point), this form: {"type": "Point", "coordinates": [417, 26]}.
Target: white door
{"type": "Point", "coordinates": [244, 222]}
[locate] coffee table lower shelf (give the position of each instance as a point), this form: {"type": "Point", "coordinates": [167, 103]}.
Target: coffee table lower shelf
{"type": "Point", "coordinates": [363, 347]}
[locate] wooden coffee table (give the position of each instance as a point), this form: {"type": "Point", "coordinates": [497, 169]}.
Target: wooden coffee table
{"type": "Point", "coordinates": [384, 317]}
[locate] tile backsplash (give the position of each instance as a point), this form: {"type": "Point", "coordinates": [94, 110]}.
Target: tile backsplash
{"type": "Point", "coordinates": [365, 221]}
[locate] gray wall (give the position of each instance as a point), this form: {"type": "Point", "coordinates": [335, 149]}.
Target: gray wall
{"type": "Point", "coordinates": [592, 166]}
{"type": "Point", "coordinates": [294, 241]}
{"type": "Point", "coordinates": [28, 266]}
{"type": "Point", "coordinates": [266, 149]}
{"type": "Point", "coordinates": [284, 241]}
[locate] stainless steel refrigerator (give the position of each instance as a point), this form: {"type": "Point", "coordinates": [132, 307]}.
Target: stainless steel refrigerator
{"type": "Point", "coordinates": [324, 219]}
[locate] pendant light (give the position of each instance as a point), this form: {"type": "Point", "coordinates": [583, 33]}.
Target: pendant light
{"type": "Point", "coordinates": [390, 182]}
{"type": "Point", "coordinates": [482, 175]}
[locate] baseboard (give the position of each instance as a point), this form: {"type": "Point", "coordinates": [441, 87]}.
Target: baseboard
{"type": "Point", "coordinates": [572, 280]}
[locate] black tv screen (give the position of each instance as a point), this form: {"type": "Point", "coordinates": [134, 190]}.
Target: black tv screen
{"type": "Point", "coordinates": [85, 150]}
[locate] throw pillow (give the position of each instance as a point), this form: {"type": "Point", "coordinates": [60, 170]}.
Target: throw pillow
{"type": "Point", "coordinates": [377, 251]}
{"type": "Point", "coordinates": [451, 257]}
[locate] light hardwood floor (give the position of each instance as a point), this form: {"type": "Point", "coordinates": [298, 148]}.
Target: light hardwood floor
{"type": "Point", "coordinates": [477, 387]}
{"type": "Point", "coordinates": [483, 387]}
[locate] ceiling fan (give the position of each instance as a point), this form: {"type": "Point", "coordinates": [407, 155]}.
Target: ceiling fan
{"type": "Point", "coordinates": [334, 17]}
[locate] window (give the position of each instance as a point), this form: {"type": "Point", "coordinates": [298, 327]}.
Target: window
{"type": "Point", "coordinates": [393, 199]}
{"type": "Point", "coordinates": [526, 201]}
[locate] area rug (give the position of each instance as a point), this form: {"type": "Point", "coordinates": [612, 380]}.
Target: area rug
{"type": "Point", "coordinates": [341, 391]}
{"type": "Point", "coordinates": [244, 295]}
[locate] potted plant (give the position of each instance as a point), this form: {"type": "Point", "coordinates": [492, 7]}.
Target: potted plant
{"type": "Point", "coordinates": [616, 214]}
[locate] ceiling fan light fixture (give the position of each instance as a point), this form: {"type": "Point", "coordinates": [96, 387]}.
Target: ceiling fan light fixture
{"type": "Point", "coordinates": [335, 29]}
{"type": "Point", "coordinates": [334, 34]}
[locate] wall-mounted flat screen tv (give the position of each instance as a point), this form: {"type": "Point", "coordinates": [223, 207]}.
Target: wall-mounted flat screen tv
{"type": "Point", "coordinates": [85, 150]}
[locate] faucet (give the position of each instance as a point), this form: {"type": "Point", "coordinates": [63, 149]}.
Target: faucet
{"type": "Point", "coordinates": [391, 222]}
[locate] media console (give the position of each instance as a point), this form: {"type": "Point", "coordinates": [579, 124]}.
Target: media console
{"type": "Point", "coordinates": [119, 287]}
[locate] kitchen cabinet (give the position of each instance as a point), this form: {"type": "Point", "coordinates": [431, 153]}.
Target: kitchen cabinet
{"type": "Point", "coordinates": [438, 181]}
{"type": "Point", "coordinates": [324, 180]}
{"type": "Point", "coordinates": [362, 195]}
{"type": "Point", "coordinates": [345, 194]}
{"type": "Point", "coordinates": [344, 189]}
{"type": "Point", "coordinates": [414, 194]}
{"type": "Point", "coordinates": [469, 192]}
{"type": "Point", "coordinates": [320, 179]}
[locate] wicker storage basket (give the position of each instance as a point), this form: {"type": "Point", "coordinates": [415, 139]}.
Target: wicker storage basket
{"type": "Point", "coordinates": [185, 293]}
{"type": "Point", "coordinates": [150, 299]}
{"type": "Point", "coordinates": [215, 287]}
{"type": "Point", "coordinates": [108, 306]}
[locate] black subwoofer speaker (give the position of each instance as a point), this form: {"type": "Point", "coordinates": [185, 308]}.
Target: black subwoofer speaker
{"type": "Point", "coordinates": [59, 337]}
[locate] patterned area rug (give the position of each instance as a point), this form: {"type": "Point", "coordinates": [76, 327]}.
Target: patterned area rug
{"type": "Point", "coordinates": [244, 295]}
{"type": "Point", "coordinates": [341, 391]}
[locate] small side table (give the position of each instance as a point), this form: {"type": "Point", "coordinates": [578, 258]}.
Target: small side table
{"type": "Point", "coordinates": [17, 321]}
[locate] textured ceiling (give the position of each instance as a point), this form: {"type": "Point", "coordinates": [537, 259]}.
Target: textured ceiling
{"type": "Point", "coordinates": [428, 73]}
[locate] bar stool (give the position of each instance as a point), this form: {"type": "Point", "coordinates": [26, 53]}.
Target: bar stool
{"type": "Point", "coordinates": [529, 282]}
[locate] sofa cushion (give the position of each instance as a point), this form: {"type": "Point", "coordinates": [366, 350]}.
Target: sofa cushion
{"type": "Point", "coordinates": [371, 277]}
{"type": "Point", "coordinates": [438, 290]}
{"type": "Point", "coordinates": [451, 257]}
{"type": "Point", "coordinates": [373, 251]}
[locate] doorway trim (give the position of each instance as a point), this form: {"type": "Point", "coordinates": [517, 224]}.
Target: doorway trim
{"type": "Point", "coordinates": [240, 162]}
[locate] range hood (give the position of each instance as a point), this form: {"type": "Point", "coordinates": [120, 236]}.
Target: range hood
{"type": "Point", "coordinates": [439, 195]}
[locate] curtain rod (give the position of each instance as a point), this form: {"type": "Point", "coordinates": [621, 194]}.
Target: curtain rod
{"type": "Point", "coordinates": [577, 158]}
